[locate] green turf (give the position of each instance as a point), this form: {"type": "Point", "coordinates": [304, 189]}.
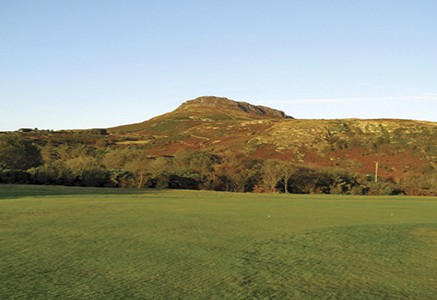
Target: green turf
{"type": "Point", "coordinates": [85, 243]}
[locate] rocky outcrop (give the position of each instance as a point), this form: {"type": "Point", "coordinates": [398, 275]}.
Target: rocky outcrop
{"type": "Point", "coordinates": [231, 105]}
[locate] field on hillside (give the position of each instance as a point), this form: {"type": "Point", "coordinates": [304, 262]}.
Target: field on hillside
{"type": "Point", "coordinates": [90, 243]}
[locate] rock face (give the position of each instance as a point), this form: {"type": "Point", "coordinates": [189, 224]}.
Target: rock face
{"type": "Point", "coordinates": [211, 102]}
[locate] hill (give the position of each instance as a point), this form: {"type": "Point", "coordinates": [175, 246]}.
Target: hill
{"type": "Point", "coordinates": [219, 124]}
{"type": "Point", "coordinates": [404, 150]}
{"type": "Point", "coordinates": [203, 110]}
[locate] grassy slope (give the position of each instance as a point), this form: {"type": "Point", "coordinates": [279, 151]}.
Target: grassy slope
{"type": "Point", "coordinates": [400, 146]}
{"type": "Point", "coordinates": [58, 242]}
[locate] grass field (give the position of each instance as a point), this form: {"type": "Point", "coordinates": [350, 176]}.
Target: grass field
{"type": "Point", "coordinates": [85, 243]}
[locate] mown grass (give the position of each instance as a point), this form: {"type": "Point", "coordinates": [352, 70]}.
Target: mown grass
{"type": "Point", "coordinates": [85, 243]}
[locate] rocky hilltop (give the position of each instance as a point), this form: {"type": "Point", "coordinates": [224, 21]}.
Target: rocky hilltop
{"type": "Point", "coordinates": [224, 104]}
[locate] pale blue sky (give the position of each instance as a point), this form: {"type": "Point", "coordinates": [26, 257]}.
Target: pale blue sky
{"type": "Point", "coordinates": [82, 64]}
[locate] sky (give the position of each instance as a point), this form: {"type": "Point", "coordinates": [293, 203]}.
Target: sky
{"type": "Point", "coordinates": [97, 64]}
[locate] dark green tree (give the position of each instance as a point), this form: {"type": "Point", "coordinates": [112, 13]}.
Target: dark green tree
{"type": "Point", "coordinates": [18, 153]}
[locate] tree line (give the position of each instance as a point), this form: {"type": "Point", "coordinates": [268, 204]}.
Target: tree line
{"type": "Point", "coordinates": [23, 161]}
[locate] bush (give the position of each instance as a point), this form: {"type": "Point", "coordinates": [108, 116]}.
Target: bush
{"type": "Point", "coordinates": [120, 178]}
{"type": "Point", "coordinates": [381, 188]}
{"type": "Point", "coordinates": [14, 176]}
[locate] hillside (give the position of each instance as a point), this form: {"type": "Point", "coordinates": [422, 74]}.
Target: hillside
{"type": "Point", "coordinates": [206, 109]}
{"type": "Point", "coordinates": [406, 150]}
{"type": "Point", "coordinates": [219, 124]}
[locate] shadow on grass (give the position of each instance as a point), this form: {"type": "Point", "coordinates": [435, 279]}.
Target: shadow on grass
{"type": "Point", "coordinates": [12, 191]}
